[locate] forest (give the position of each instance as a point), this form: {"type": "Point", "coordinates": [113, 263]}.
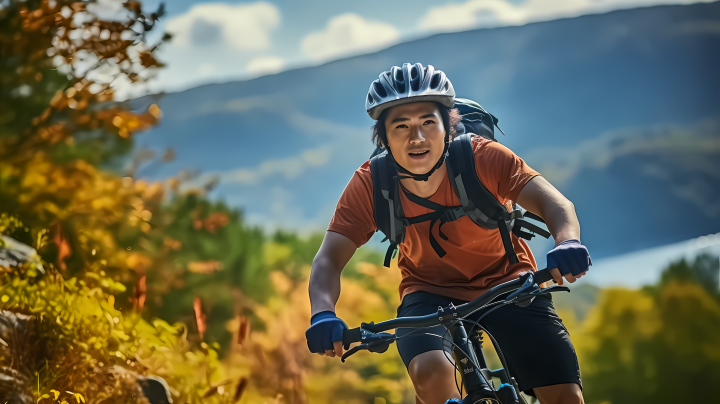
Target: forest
{"type": "Point", "coordinates": [108, 281]}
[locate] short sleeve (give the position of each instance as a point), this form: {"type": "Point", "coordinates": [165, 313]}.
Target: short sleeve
{"type": "Point", "coordinates": [354, 216]}
{"type": "Point", "coordinates": [502, 172]}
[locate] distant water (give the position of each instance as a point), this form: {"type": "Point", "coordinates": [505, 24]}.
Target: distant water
{"type": "Point", "coordinates": [645, 266]}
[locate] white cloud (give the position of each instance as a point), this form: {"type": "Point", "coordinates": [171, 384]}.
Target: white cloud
{"type": "Point", "coordinates": [348, 34]}
{"type": "Point", "coordinates": [206, 69]}
{"type": "Point", "coordinates": [289, 167]}
{"type": "Point", "coordinates": [463, 16]}
{"type": "Point", "coordinates": [109, 10]}
{"type": "Point", "coordinates": [494, 13]}
{"type": "Point", "coordinates": [243, 26]}
{"type": "Point", "coordinates": [265, 65]}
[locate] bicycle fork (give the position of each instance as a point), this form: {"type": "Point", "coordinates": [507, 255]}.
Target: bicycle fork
{"type": "Point", "coordinates": [467, 352]}
{"type": "Point", "coordinates": [466, 358]}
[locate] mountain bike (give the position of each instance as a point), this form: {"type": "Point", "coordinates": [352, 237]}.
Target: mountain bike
{"type": "Point", "coordinates": [466, 344]}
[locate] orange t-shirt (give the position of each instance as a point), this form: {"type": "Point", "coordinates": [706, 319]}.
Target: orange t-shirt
{"type": "Point", "coordinates": [475, 259]}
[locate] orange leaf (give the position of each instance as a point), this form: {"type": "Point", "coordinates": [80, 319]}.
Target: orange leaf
{"type": "Point", "coordinates": [199, 317]}
{"type": "Point", "coordinates": [205, 267]}
{"type": "Point", "coordinates": [139, 293]}
{"type": "Point", "coordinates": [63, 247]}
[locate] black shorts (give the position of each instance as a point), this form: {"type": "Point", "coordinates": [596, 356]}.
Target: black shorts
{"type": "Point", "coordinates": [534, 340]}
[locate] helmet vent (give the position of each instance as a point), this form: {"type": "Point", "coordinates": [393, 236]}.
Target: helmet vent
{"type": "Point", "coordinates": [447, 85]}
{"type": "Point", "coordinates": [399, 80]}
{"type": "Point", "coordinates": [414, 79]}
{"type": "Point", "coordinates": [370, 99]}
{"type": "Point", "coordinates": [379, 89]}
{"type": "Point", "coordinates": [435, 81]}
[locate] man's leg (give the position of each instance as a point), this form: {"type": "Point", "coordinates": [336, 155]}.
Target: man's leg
{"type": "Point", "coordinates": [433, 377]}
{"type": "Point", "coordinates": [568, 393]}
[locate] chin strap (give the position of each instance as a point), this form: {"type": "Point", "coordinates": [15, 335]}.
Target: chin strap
{"type": "Point", "coordinates": [426, 176]}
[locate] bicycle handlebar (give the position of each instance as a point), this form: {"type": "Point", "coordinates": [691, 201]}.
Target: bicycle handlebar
{"type": "Point", "coordinates": [355, 335]}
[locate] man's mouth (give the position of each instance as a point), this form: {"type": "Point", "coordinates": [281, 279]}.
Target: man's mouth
{"type": "Point", "coordinates": [418, 155]}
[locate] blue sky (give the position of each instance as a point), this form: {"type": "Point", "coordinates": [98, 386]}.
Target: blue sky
{"type": "Point", "coordinates": [218, 41]}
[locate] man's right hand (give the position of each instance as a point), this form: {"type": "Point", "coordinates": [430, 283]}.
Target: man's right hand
{"type": "Point", "coordinates": [324, 337]}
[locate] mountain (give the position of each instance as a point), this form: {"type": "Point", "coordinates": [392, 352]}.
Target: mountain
{"type": "Point", "coordinates": [620, 111]}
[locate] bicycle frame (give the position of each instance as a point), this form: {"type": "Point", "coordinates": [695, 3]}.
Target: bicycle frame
{"type": "Point", "coordinates": [469, 359]}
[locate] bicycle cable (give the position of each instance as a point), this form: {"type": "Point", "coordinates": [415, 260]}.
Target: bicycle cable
{"type": "Point", "coordinates": [473, 361]}
{"type": "Point", "coordinates": [501, 356]}
{"type": "Point", "coordinates": [498, 350]}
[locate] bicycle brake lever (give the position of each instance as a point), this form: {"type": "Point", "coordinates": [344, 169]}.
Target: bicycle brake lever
{"type": "Point", "coordinates": [353, 351]}
{"type": "Point", "coordinates": [551, 289]}
{"type": "Point", "coordinates": [378, 343]}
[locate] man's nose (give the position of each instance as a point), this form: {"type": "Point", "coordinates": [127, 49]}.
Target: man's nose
{"type": "Point", "coordinates": [416, 136]}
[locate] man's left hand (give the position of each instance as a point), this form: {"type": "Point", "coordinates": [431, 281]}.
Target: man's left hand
{"type": "Point", "coordinates": [570, 260]}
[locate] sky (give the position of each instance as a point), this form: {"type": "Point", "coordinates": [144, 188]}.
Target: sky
{"type": "Point", "coordinates": [219, 41]}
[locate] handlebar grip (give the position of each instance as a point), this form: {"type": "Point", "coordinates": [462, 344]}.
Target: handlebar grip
{"type": "Point", "coordinates": [542, 276]}
{"type": "Point", "coordinates": [351, 336]}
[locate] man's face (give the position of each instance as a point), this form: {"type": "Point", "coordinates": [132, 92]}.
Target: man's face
{"type": "Point", "coordinates": [415, 135]}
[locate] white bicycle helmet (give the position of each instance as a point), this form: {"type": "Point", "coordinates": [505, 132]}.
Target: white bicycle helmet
{"type": "Point", "coordinates": [406, 84]}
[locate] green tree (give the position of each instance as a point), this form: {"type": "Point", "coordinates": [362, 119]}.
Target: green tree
{"type": "Point", "coordinates": [657, 345]}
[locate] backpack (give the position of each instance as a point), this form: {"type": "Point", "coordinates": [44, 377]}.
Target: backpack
{"type": "Point", "coordinates": [476, 202]}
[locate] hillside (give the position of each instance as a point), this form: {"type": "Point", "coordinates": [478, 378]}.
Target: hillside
{"type": "Point", "coordinates": [619, 110]}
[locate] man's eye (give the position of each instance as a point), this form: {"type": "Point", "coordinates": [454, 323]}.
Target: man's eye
{"type": "Point", "coordinates": [402, 125]}
{"type": "Point", "coordinates": [429, 122]}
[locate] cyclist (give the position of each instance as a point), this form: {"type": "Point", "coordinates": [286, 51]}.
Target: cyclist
{"type": "Point", "coordinates": [415, 122]}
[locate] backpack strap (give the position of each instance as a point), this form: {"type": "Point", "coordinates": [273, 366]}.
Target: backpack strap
{"type": "Point", "coordinates": [480, 205]}
{"type": "Point", "coordinates": [386, 204]}
{"type": "Point", "coordinates": [440, 212]}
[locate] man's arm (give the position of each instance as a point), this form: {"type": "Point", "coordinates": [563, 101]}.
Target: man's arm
{"type": "Point", "coordinates": [334, 253]}
{"type": "Point", "coordinates": [540, 197]}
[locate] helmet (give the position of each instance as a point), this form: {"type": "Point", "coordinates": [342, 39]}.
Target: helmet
{"type": "Point", "coordinates": [406, 84]}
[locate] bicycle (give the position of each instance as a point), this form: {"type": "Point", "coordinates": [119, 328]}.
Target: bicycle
{"type": "Point", "coordinates": [467, 352]}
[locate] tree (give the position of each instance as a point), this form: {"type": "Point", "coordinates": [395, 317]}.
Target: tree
{"type": "Point", "coordinates": [657, 345]}
{"type": "Point", "coordinates": [63, 328]}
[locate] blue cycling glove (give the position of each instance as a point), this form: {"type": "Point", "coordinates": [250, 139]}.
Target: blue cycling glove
{"type": "Point", "coordinates": [325, 328]}
{"type": "Point", "coordinates": [569, 257]}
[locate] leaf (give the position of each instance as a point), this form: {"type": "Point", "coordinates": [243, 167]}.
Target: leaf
{"type": "Point", "coordinates": [199, 316]}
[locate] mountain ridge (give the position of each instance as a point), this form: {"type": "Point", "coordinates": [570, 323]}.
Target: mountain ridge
{"type": "Point", "coordinates": [285, 145]}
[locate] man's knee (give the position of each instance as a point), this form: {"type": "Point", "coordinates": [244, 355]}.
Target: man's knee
{"type": "Point", "coordinates": [569, 393]}
{"type": "Point", "coordinates": [431, 370]}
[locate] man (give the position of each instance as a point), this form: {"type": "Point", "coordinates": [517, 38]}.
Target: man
{"type": "Point", "coordinates": [415, 123]}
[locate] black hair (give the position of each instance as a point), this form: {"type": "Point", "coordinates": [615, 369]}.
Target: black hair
{"type": "Point", "coordinates": [450, 118]}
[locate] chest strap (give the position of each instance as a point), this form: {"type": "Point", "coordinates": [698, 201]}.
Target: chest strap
{"type": "Point", "coordinates": [442, 213]}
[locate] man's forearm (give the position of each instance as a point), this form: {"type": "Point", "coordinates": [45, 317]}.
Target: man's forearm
{"type": "Point", "coordinates": [540, 197]}
{"type": "Point", "coordinates": [324, 286]}
{"type": "Point", "coordinates": [561, 221]}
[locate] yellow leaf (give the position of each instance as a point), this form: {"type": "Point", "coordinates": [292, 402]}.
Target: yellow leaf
{"type": "Point", "coordinates": [55, 393]}
{"type": "Point", "coordinates": [79, 397]}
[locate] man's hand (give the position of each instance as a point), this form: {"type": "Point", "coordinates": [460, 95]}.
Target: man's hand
{"type": "Point", "coordinates": [570, 260]}
{"type": "Point", "coordinates": [324, 337]}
